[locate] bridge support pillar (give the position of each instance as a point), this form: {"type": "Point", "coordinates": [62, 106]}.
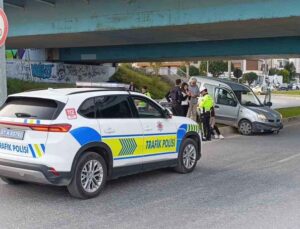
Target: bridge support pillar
{"type": "Point", "coordinates": [3, 82]}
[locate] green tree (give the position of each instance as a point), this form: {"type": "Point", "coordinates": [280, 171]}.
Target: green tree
{"type": "Point", "coordinates": [250, 77]}
{"type": "Point", "coordinates": [273, 71]}
{"type": "Point", "coordinates": [193, 71]}
{"type": "Point", "coordinates": [217, 68]}
{"type": "Point", "coordinates": [238, 73]}
{"type": "Point", "coordinates": [203, 68]}
{"type": "Point", "coordinates": [285, 75]}
{"type": "Point", "coordinates": [292, 70]}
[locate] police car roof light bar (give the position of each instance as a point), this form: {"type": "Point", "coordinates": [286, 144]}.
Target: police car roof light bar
{"type": "Point", "coordinates": [107, 86]}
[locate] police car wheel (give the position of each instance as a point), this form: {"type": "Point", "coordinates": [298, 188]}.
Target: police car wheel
{"type": "Point", "coordinates": [187, 158]}
{"type": "Point", "coordinates": [89, 177]}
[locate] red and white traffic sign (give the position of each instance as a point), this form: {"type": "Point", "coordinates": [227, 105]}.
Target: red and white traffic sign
{"type": "Point", "coordinates": [3, 27]}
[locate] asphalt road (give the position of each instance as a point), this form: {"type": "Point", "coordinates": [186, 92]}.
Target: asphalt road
{"type": "Point", "coordinates": [240, 182]}
{"type": "Point", "coordinates": [282, 101]}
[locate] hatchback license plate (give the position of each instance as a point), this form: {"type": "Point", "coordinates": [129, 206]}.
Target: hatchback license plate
{"type": "Point", "coordinates": [14, 134]}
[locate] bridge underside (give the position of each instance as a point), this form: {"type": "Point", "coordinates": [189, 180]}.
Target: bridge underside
{"type": "Point", "coordinates": [266, 28]}
{"type": "Point", "coordinates": [222, 49]}
{"type": "Point", "coordinates": [141, 30]}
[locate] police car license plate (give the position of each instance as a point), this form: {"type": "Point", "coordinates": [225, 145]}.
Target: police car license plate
{"type": "Point", "coordinates": [14, 134]}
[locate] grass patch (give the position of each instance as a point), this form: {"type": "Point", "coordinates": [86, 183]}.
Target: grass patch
{"type": "Point", "coordinates": [293, 92]}
{"type": "Point", "coordinates": [17, 86]}
{"type": "Point", "coordinates": [156, 86]}
{"type": "Point", "coordinates": [289, 112]}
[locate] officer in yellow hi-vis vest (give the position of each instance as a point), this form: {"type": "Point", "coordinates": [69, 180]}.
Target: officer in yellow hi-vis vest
{"type": "Point", "coordinates": [147, 93]}
{"type": "Point", "coordinates": [206, 105]}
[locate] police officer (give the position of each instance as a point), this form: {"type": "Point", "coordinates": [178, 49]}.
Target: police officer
{"type": "Point", "coordinates": [142, 105]}
{"type": "Point", "coordinates": [145, 91]}
{"type": "Point", "coordinates": [206, 105]}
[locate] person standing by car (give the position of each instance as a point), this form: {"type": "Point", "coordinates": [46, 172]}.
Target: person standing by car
{"type": "Point", "coordinates": [214, 128]}
{"type": "Point", "coordinates": [194, 94]}
{"type": "Point", "coordinates": [175, 97]}
{"type": "Point", "coordinates": [206, 105]}
{"type": "Point", "coordinates": [185, 98]}
{"type": "Point", "coordinates": [131, 86]}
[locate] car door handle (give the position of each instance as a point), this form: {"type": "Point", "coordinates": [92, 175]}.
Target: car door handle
{"type": "Point", "coordinates": [109, 130]}
{"type": "Point", "coordinates": [217, 106]}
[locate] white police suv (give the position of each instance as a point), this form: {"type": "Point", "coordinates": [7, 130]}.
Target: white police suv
{"type": "Point", "coordinates": [82, 137]}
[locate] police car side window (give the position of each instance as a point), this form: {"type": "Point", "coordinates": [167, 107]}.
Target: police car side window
{"type": "Point", "coordinates": [87, 109]}
{"type": "Point", "coordinates": [113, 106]}
{"type": "Point", "coordinates": [146, 109]}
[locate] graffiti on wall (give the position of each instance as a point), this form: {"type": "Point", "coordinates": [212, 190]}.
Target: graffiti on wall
{"type": "Point", "coordinates": [58, 72]}
{"type": "Point", "coordinates": [42, 71]}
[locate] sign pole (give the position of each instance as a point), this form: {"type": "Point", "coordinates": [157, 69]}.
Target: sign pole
{"type": "Point", "coordinates": [3, 82]}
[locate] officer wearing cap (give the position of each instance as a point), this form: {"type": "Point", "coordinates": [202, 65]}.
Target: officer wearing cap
{"type": "Point", "coordinates": [206, 105]}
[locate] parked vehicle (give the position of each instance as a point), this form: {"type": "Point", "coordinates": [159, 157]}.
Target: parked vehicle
{"type": "Point", "coordinates": [236, 105]}
{"type": "Point", "coordinates": [283, 87]}
{"type": "Point", "coordinates": [259, 90]}
{"type": "Point", "coordinates": [295, 86]}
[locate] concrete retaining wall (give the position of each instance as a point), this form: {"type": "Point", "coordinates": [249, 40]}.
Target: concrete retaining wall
{"type": "Point", "coordinates": [57, 72]}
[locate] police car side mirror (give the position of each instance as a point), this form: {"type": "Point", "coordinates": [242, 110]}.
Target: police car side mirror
{"type": "Point", "coordinates": [167, 113]}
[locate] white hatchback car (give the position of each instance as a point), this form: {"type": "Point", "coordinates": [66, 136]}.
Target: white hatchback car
{"type": "Point", "coordinates": [81, 137]}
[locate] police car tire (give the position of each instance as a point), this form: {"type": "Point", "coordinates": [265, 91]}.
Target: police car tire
{"type": "Point", "coordinates": [75, 187]}
{"type": "Point", "coordinates": [11, 181]}
{"type": "Point", "coordinates": [181, 168]}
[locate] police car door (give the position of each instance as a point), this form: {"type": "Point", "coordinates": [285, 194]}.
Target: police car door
{"type": "Point", "coordinates": [159, 131]}
{"type": "Point", "coordinates": [119, 130]}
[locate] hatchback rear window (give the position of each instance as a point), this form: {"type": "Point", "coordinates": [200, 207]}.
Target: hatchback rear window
{"type": "Point", "coordinates": [32, 108]}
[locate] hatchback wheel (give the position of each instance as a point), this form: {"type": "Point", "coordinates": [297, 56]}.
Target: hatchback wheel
{"type": "Point", "coordinates": [89, 177]}
{"type": "Point", "coordinates": [245, 127]}
{"type": "Point", "coordinates": [187, 158]}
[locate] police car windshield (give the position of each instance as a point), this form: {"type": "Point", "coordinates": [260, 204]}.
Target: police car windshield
{"type": "Point", "coordinates": [247, 98]}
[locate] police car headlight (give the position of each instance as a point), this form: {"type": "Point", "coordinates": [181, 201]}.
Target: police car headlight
{"type": "Point", "coordinates": [262, 117]}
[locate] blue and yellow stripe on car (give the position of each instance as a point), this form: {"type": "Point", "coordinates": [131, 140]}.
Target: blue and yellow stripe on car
{"type": "Point", "coordinates": [136, 145]}
{"type": "Point", "coordinates": [193, 128]}
{"type": "Point", "coordinates": [37, 150]}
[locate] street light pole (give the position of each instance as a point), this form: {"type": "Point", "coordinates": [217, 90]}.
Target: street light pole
{"type": "Point", "coordinates": [3, 82]}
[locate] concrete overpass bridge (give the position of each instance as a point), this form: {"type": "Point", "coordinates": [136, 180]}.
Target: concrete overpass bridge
{"type": "Point", "coordinates": [140, 30]}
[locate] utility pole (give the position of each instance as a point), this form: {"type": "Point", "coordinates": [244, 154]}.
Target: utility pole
{"type": "Point", "coordinates": [207, 68]}
{"type": "Point", "coordinates": [229, 69]}
{"type": "Point", "coordinates": [3, 82]}
{"type": "Point", "coordinates": [187, 66]}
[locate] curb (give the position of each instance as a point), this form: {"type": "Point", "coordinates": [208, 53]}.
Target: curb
{"type": "Point", "coordinates": [285, 95]}
{"type": "Point", "coordinates": [229, 130]}
{"type": "Point", "coordinates": [291, 119]}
